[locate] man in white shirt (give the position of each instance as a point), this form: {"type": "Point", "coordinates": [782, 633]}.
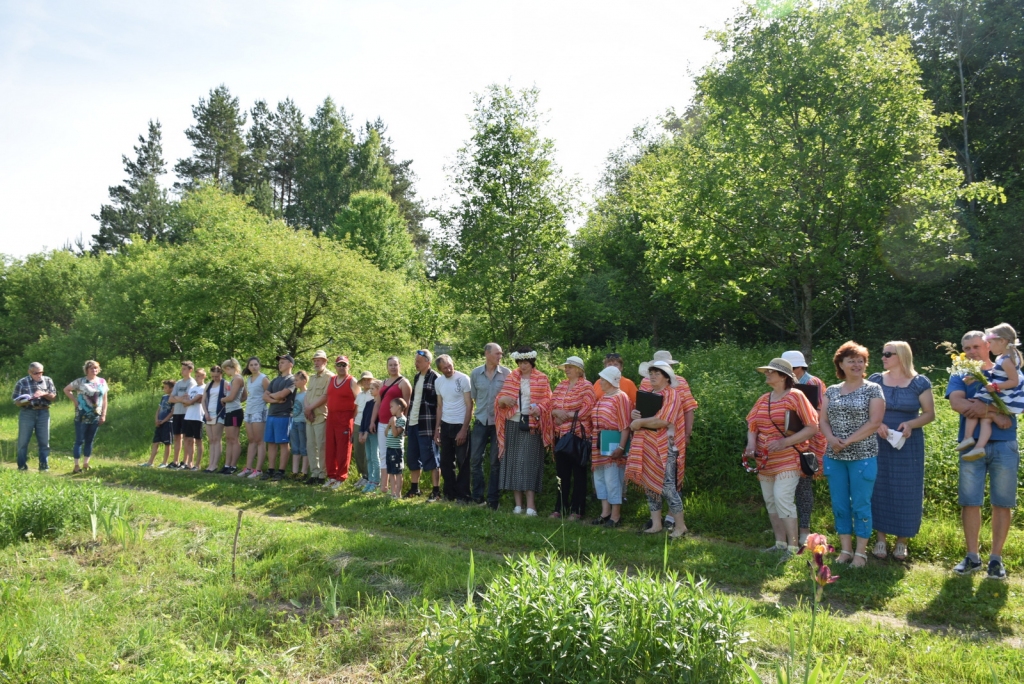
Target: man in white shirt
{"type": "Point", "coordinates": [454, 409]}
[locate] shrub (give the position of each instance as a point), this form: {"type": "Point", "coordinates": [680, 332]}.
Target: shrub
{"type": "Point", "coordinates": [43, 506]}
{"type": "Point", "coordinates": [559, 620]}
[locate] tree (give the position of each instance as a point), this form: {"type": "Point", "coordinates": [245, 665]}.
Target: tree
{"type": "Point", "coordinates": [139, 206]}
{"type": "Point", "coordinates": [324, 168]}
{"type": "Point", "coordinates": [288, 137]}
{"type": "Point", "coordinates": [403, 190]}
{"type": "Point", "coordinates": [372, 224]}
{"type": "Point", "coordinates": [217, 141]}
{"type": "Point", "coordinates": [502, 246]}
{"type": "Point", "coordinates": [816, 152]}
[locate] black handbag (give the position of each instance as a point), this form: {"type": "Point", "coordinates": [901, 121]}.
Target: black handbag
{"type": "Point", "coordinates": [808, 461]}
{"type": "Point", "coordinates": [574, 447]}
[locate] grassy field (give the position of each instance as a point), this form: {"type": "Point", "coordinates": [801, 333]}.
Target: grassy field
{"type": "Point", "coordinates": [341, 586]}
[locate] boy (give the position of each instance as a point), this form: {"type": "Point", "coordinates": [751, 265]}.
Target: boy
{"type": "Point", "coordinates": [298, 435]}
{"type": "Point", "coordinates": [162, 434]}
{"type": "Point", "coordinates": [280, 397]}
{"type": "Point", "coordinates": [193, 423]}
{"type": "Point", "coordinates": [393, 434]}
{"type": "Point", "coordinates": [178, 397]}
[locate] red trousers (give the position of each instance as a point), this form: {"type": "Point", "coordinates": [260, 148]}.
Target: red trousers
{"type": "Point", "coordinates": [338, 447]}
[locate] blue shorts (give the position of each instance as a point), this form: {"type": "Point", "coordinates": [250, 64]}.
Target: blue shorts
{"type": "Point", "coordinates": [278, 430]}
{"type": "Point", "coordinates": [162, 434]}
{"type": "Point", "coordinates": [394, 461]}
{"type": "Point", "coordinates": [1000, 463]}
{"type": "Point", "coordinates": [421, 451]}
{"type": "Point", "coordinates": [299, 438]}
{"type": "Point", "coordinates": [608, 480]}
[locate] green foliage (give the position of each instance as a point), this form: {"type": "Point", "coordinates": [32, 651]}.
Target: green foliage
{"type": "Point", "coordinates": [323, 168]}
{"type": "Point", "coordinates": [562, 620]}
{"type": "Point", "coordinates": [217, 142]}
{"type": "Point", "coordinates": [503, 244]}
{"type": "Point", "coordinates": [373, 225]}
{"type": "Point", "coordinates": [34, 507]}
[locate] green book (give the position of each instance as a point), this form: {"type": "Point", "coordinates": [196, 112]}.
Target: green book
{"type": "Point", "coordinates": [610, 441]}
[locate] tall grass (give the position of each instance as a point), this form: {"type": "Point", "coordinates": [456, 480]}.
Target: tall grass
{"type": "Point", "coordinates": [552, 619]}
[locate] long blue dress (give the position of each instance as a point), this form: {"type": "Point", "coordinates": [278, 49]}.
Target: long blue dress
{"type": "Point", "coordinates": [898, 498]}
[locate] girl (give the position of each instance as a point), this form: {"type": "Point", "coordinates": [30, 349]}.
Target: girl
{"type": "Point", "coordinates": [213, 399]}
{"type": "Point", "coordinates": [255, 415]}
{"type": "Point", "coordinates": [234, 415]}
{"type": "Point", "coordinates": [393, 436]}
{"type": "Point", "coordinates": [1005, 379]}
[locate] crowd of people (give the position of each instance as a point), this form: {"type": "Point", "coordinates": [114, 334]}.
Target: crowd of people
{"type": "Point", "coordinates": [863, 435]}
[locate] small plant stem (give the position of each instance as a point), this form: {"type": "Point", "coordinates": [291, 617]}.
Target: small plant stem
{"type": "Point", "coordinates": [810, 640]}
{"type": "Point", "coordinates": [234, 547]}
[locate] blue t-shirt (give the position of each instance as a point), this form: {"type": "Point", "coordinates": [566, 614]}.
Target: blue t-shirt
{"type": "Point", "coordinates": [165, 407]}
{"type": "Point", "coordinates": [957, 384]}
{"type": "Point", "coordinates": [297, 410]}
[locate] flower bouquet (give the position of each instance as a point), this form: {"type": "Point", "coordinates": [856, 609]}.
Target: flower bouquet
{"type": "Point", "coordinates": [961, 365]}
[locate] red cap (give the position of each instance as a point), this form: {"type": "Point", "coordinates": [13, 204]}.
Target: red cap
{"type": "Point", "coordinates": [341, 359]}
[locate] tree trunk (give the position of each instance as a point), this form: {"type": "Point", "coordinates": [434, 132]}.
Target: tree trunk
{"type": "Point", "coordinates": [806, 319]}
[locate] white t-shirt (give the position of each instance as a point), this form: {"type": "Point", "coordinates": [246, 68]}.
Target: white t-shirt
{"type": "Point", "coordinates": [212, 399]}
{"type": "Point", "coordinates": [195, 411]}
{"type": "Point", "coordinates": [362, 399]}
{"type": "Point", "coordinates": [452, 393]}
{"type": "Point", "coordinates": [414, 410]}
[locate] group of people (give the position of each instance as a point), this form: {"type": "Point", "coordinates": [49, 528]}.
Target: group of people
{"type": "Point", "coordinates": [863, 435]}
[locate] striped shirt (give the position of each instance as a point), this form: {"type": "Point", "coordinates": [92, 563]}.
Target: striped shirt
{"type": "Point", "coordinates": [611, 412]}
{"type": "Point", "coordinates": [770, 427]}
{"type": "Point", "coordinates": [580, 398]}
{"type": "Point", "coordinates": [391, 441]}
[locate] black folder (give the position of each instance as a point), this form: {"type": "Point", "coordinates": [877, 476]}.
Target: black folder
{"type": "Point", "coordinates": [648, 403]}
{"type": "Point", "coordinates": [813, 394]}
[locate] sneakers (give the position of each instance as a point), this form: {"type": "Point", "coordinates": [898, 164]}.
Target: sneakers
{"type": "Point", "coordinates": [266, 475]}
{"type": "Point", "coordinates": [966, 444]}
{"type": "Point", "coordinates": [600, 521]}
{"type": "Point", "coordinates": [779, 547]}
{"type": "Point", "coordinates": [145, 465]}
{"type": "Point", "coordinates": [996, 571]}
{"type": "Point", "coordinates": [245, 472]}
{"type": "Point", "coordinates": [370, 488]}
{"type": "Point", "coordinates": [517, 510]}
{"type": "Point", "coordinates": [531, 513]}
{"type": "Point", "coordinates": [479, 502]}
{"type": "Point", "coordinates": [973, 454]}
{"type": "Point", "coordinates": [253, 474]}
{"type": "Point", "coordinates": [336, 484]}
{"type": "Point", "coordinates": [413, 492]}
{"type": "Point", "coordinates": [360, 483]}
{"type": "Point", "coordinates": [278, 475]}
{"type": "Point", "coordinates": [435, 496]}
{"type": "Point", "coordinates": [329, 484]}
{"type": "Point", "coordinates": [612, 524]}
{"type": "Point", "coordinates": [163, 465]}
{"type": "Point", "coordinates": [968, 565]}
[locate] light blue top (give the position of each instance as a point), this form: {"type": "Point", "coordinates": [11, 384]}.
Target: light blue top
{"type": "Point", "coordinates": [255, 404]}
{"type": "Point", "coordinates": [298, 407]}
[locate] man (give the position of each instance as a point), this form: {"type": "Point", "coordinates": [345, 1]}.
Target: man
{"type": "Point", "coordinates": [315, 409]}
{"type": "Point", "coordinates": [485, 383]}
{"type": "Point", "coordinates": [34, 393]}
{"type": "Point", "coordinates": [625, 384]}
{"type": "Point", "coordinates": [422, 452]}
{"type": "Point", "coordinates": [179, 397]}
{"type": "Point", "coordinates": [454, 409]}
{"type": "Point", "coordinates": [999, 463]}
{"type": "Point", "coordinates": [280, 398]}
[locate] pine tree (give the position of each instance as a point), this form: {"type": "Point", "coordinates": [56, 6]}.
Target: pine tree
{"type": "Point", "coordinates": [217, 140]}
{"type": "Point", "coordinates": [139, 206]}
{"type": "Point", "coordinates": [288, 136]}
{"type": "Point", "coordinates": [324, 168]}
{"type": "Point", "coordinates": [403, 191]}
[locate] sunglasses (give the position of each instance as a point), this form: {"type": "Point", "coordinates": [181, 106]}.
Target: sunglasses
{"type": "Point", "coordinates": [420, 352]}
{"type": "Point", "coordinates": [888, 355]}
{"type": "Point", "coordinates": [341, 364]}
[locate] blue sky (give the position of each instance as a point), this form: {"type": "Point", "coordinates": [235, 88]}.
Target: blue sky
{"type": "Point", "coordinates": [80, 80]}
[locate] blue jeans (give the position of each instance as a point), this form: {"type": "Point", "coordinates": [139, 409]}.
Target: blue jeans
{"type": "Point", "coordinates": [1000, 463]}
{"type": "Point", "coordinates": [481, 437]}
{"type": "Point", "coordinates": [30, 420]}
{"type": "Point", "coordinates": [421, 452]}
{"type": "Point", "coordinates": [851, 484]}
{"type": "Point", "coordinates": [298, 439]}
{"type": "Point", "coordinates": [85, 433]}
{"type": "Point", "coordinates": [372, 461]}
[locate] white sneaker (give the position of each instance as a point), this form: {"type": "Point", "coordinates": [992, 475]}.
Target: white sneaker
{"type": "Point", "coordinates": [531, 512]}
{"type": "Point", "coordinates": [244, 473]}
{"type": "Point", "coordinates": [330, 484]}
{"type": "Point", "coordinates": [337, 483]}
{"type": "Point", "coordinates": [517, 510]}
{"type": "Point", "coordinates": [361, 482]}
{"type": "Point", "coordinates": [255, 474]}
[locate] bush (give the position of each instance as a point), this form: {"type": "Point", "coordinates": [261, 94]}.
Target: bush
{"type": "Point", "coordinates": [559, 620]}
{"type": "Point", "coordinates": [43, 506]}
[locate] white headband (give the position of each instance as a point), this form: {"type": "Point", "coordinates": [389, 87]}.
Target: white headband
{"type": "Point", "coordinates": [524, 356]}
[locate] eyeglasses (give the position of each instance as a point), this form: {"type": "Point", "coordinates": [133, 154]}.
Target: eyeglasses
{"type": "Point", "coordinates": [888, 355]}
{"type": "Point", "coordinates": [36, 372]}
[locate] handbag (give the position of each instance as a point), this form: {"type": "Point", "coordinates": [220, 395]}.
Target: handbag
{"type": "Point", "coordinates": [808, 461]}
{"type": "Point", "coordinates": [574, 447]}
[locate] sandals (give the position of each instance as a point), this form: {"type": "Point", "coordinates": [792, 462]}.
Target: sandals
{"type": "Point", "coordinates": [839, 559]}
{"type": "Point", "coordinates": [880, 551]}
{"type": "Point", "coordinates": [679, 531]}
{"type": "Point", "coordinates": [900, 552]}
{"type": "Point", "coordinates": [857, 555]}
{"type": "Point", "coordinates": [76, 470]}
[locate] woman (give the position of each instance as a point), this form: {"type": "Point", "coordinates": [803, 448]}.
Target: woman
{"type": "Point", "coordinates": [216, 409]}
{"type": "Point", "coordinates": [90, 410]}
{"type": "Point", "coordinates": [255, 415]}
{"type": "Point", "coordinates": [805, 487]}
{"type": "Point", "coordinates": [898, 498]}
{"type": "Point", "coordinates": [778, 449]}
{"type": "Point", "coordinates": [850, 415]}
{"type": "Point", "coordinates": [522, 420]}
{"type": "Point", "coordinates": [395, 387]}
{"type": "Point", "coordinates": [657, 454]}
{"type": "Point", "coordinates": [341, 410]}
{"type": "Point", "coordinates": [234, 415]}
{"type": "Point", "coordinates": [573, 397]}
{"type": "Point", "coordinates": [611, 414]}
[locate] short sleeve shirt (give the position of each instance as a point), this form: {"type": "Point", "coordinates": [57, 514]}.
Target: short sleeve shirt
{"type": "Point", "coordinates": [847, 414]}
{"type": "Point", "coordinates": [957, 384]}
{"type": "Point", "coordinates": [279, 383]}
{"type": "Point", "coordinates": [315, 389]}
{"type": "Point", "coordinates": [90, 397]}
{"type": "Point", "coordinates": [195, 411]}
{"type": "Point", "coordinates": [452, 392]}
{"type": "Point", "coordinates": [181, 389]}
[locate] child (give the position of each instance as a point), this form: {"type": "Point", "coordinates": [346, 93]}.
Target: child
{"type": "Point", "coordinates": [298, 434]}
{"type": "Point", "coordinates": [368, 438]}
{"type": "Point", "coordinates": [195, 413]}
{"type": "Point", "coordinates": [1005, 379]}
{"type": "Point", "coordinates": [393, 433]}
{"type": "Point", "coordinates": [162, 434]}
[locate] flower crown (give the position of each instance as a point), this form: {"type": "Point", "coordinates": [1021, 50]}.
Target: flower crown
{"type": "Point", "coordinates": [524, 356]}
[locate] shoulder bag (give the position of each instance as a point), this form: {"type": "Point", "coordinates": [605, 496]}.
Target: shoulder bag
{"type": "Point", "coordinates": [808, 461]}
{"type": "Point", "coordinates": [574, 447]}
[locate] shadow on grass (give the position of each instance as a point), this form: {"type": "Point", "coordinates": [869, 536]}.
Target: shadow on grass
{"type": "Point", "coordinates": [966, 602]}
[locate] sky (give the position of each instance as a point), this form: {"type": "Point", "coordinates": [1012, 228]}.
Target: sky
{"type": "Point", "coordinates": [79, 82]}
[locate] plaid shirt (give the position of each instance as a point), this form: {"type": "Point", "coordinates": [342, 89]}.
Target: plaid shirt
{"type": "Point", "coordinates": [428, 404]}
{"type": "Point", "coordinates": [29, 386]}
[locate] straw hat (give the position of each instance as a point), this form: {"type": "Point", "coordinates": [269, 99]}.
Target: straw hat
{"type": "Point", "coordinates": [366, 375]}
{"type": "Point", "coordinates": [612, 375]}
{"type": "Point", "coordinates": [664, 366]}
{"type": "Point", "coordinates": [573, 361]}
{"type": "Point", "coordinates": [795, 358]}
{"type": "Point", "coordinates": [779, 366]}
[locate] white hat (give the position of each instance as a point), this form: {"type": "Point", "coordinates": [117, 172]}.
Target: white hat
{"type": "Point", "coordinates": [573, 361]}
{"type": "Point", "coordinates": [795, 358]}
{"type": "Point", "coordinates": [661, 365]}
{"type": "Point", "coordinates": [665, 356]}
{"type": "Point", "coordinates": [611, 374]}
{"type": "Point", "coordinates": [320, 354]}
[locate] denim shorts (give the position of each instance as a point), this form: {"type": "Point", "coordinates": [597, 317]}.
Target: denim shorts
{"type": "Point", "coordinates": [298, 438]}
{"type": "Point", "coordinates": [278, 430]}
{"type": "Point", "coordinates": [608, 481]}
{"type": "Point", "coordinates": [394, 461]}
{"type": "Point", "coordinates": [1000, 463]}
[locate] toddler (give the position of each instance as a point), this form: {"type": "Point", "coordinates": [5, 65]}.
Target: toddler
{"type": "Point", "coordinates": [1005, 380]}
{"type": "Point", "coordinates": [393, 434]}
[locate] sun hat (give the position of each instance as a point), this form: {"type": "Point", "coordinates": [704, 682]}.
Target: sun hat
{"type": "Point", "coordinates": [573, 361]}
{"type": "Point", "coordinates": [665, 356]}
{"type": "Point", "coordinates": [795, 358]}
{"type": "Point", "coordinates": [664, 366]}
{"type": "Point", "coordinates": [611, 374]}
{"type": "Point", "coordinates": [366, 375]}
{"type": "Point", "coordinates": [779, 366]}
{"type": "Point", "coordinates": [320, 354]}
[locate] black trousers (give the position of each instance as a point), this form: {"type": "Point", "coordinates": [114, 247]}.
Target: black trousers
{"type": "Point", "coordinates": [454, 457]}
{"type": "Point", "coordinates": [572, 487]}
